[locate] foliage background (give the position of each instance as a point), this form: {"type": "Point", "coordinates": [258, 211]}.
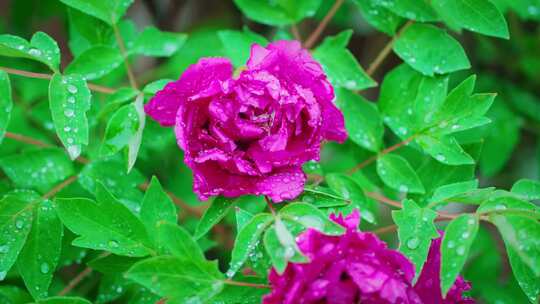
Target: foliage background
{"type": "Point", "coordinates": [506, 150]}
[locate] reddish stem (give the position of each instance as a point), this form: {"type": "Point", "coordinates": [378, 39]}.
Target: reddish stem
{"type": "Point", "coordinates": [320, 28]}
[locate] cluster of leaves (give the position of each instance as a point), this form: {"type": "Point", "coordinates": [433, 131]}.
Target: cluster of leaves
{"type": "Point", "coordinates": [416, 148]}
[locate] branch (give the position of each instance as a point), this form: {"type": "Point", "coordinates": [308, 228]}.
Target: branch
{"type": "Point", "coordinates": [386, 50]}
{"type": "Point", "coordinates": [122, 47]}
{"type": "Point", "coordinates": [322, 25]}
{"type": "Point", "coordinates": [59, 187]}
{"type": "Point", "coordinates": [296, 32]}
{"type": "Point", "coordinates": [75, 281]}
{"type": "Point", "coordinates": [382, 153]}
{"type": "Point", "coordinates": [93, 87]}
{"type": "Point", "coordinates": [254, 285]}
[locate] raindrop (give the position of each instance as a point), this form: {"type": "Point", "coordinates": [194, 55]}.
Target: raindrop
{"type": "Point", "coordinates": [19, 224]}
{"type": "Point", "coordinates": [402, 130]}
{"type": "Point", "coordinates": [350, 84]}
{"type": "Point", "coordinates": [440, 157]}
{"type": "Point", "coordinates": [34, 52]}
{"type": "Point", "coordinates": [403, 188]}
{"type": "Point", "coordinates": [413, 243]}
{"type": "Point", "coordinates": [71, 99]}
{"type": "Point", "coordinates": [289, 252]}
{"type": "Point", "coordinates": [460, 250]}
{"type": "Point", "coordinates": [500, 207]}
{"type": "Point", "coordinates": [113, 244]}
{"type": "Point", "coordinates": [72, 89]}
{"type": "Point", "coordinates": [4, 248]}
{"type": "Point", "coordinates": [451, 244]}
{"type": "Point", "coordinates": [69, 113]}
{"type": "Point", "coordinates": [44, 268]}
{"type": "Point", "coordinates": [466, 235]}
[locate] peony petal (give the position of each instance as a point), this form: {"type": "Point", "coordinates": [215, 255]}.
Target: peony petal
{"type": "Point", "coordinates": [195, 79]}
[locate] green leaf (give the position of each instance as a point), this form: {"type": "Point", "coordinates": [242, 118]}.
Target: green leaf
{"type": "Point", "coordinates": [157, 208]}
{"type": "Point", "coordinates": [178, 242]}
{"type": "Point", "coordinates": [445, 150]}
{"type": "Point", "coordinates": [430, 50]}
{"type": "Point", "coordinates": [122, 126]}
{"type": "Point", "coordinates": [507, 203]}
{"type": "Point", "coordinates": [153, 42]}
{"type": "Point", "coordinates": [378, 16]}
{"type": "Point", "coordinates": [69, 100]}
{"type": "Point", "coordinates": [528, 281]}
{"type": "Point", "coordinates": [163, 275]}
{"type": "Point", "coordinates": [527, 188]}
{"type": "Point", "coordinates": [396, 172]}
{"type": "Point", "coordinates": [104, 225]}
{"type": "Point", "coordinates": [457, 241]}
{"type": "Point", "coordinates": [322, 197]}
{"type": "Point", "coordinates": [64, 300]}
{"type": "Point", "coordinates": [237, 44]}
{"type": "Point", "coordinates": [6, 103]}
{"type": "Point", "coordinates": [112, 264]}
{"type": "Point", "coordinates": [280, 244]}
{"type": "Point", "coordinates": [95, 62]}
{"type": "Point", "coordinates": [135, 141]}
{"type": "Point", "coordinates": [460, 107]}
{"type": "Point", "coordinates": [15, 224]}
{"type": "Point", "coordinates": [155, 86]}
{"type": "Point", "coordinates": [232, 294]}
{"type": "Point", "coordinates": [246, 241]}
{"type": "Point", "coordinates": [409, 100]}
{"type": "Point", "coordinates": [214, 214]}
{"type": "Point", "coordinates": [41, 48]}
{"type": "Point", "coordinates": [282, 12]}
{"type": "Point", "coordinates": [13, 295]}
{"type": "Point", "coordinates": [411, 9]}
{"type": "Point", "coordinates": [86, 31]}
{"type": "Point", "coordinates": [340, 65]}
{"type": "Point", "coordinates": [311, 217]}
{"type": "Point", "coordinates": [362, 120]}
{"type": "Point", "coordinates": [479, 16]}
{"type": "Point", "coordinates": [125, 186]}
{"type": "Point", "coordinates": [521, 236]}
{"type": "Point", "coordinates": [351, 191]}
{"type": "Point", "coordinates": [109, 11]}
{"type": "Point", "coordinates": [415, 231]}
{"type": "Point", "coordinates": [242, 217]}
{"type": "Point", "coordinates": [451, 190]}
{"type": "Point", "coordinates": [37, 169]}
{"type": "Point", "coordinates": [39, 257]}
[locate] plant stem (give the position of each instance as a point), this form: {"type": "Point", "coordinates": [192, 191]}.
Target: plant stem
{"type": "Point", "coordinates": [310, 41]}
{"type": "Point", "coordinates": [75, 281]}
{"type": "Point", "coordinates": [93, 87]}
{"type": "Point", "coordinates": [269, 203]}
{"type": "Point", "coordinates": [386, 50]}
{"type": "Point", "coordinates": [296, 32]}
{"type": "Point", "coordinates": [122, 47]}
{"type": "Point", "coordinates": [382, 153]}
{"type": "Point", "coordinates": [254, 285]}
{"type": "Point", "coordinates": [59, 187]}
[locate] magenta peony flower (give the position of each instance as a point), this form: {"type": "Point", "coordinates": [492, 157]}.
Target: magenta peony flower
{"type": "Point", "coordinates": [252, 134]}
{"type": "Point", "coordinates": [357, 267]}
{"type": "Point", "coordinates": [428, 285]}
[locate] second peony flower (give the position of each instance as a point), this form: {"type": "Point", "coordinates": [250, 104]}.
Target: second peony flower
{"type": "Point", "coordinates": [251, 134]}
